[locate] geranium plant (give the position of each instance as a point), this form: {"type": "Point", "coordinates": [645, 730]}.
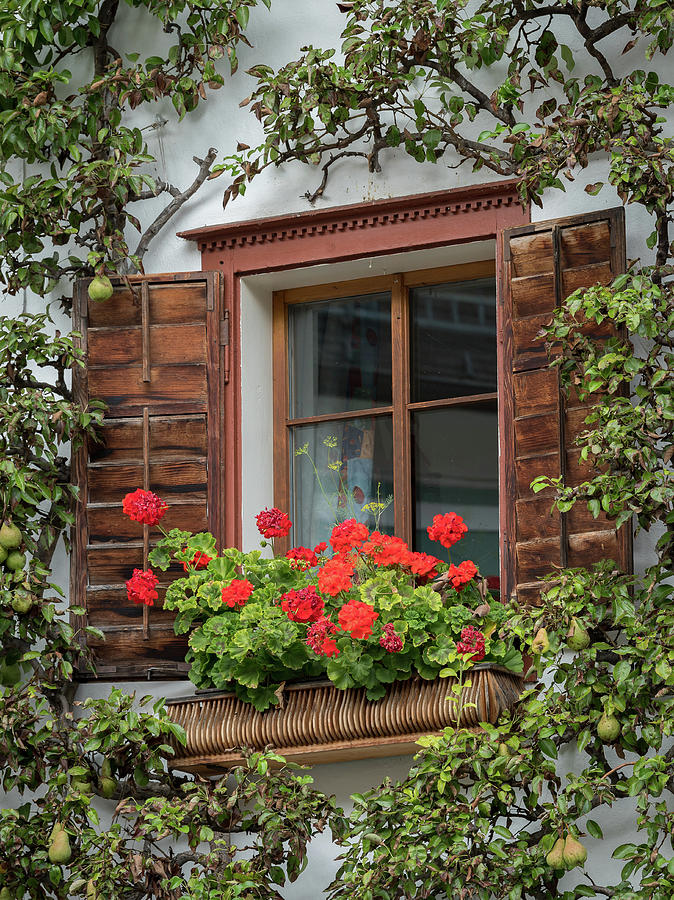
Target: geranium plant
{"type": "Point", "coordinates": [369, 613]}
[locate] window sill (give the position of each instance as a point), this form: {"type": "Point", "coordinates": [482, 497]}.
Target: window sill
{"type": "Point", "coordinates": [320, 724]}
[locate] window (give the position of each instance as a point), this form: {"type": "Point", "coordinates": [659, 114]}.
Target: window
{"type": "Point", "coordinates": [386, 387]}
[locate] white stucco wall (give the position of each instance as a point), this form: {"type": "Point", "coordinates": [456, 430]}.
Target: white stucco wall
{"type": "Point", "coordinates": [277, 37]}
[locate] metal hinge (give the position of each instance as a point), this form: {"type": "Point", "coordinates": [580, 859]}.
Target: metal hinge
{"type": "Point", "coordinates": [224, 342]}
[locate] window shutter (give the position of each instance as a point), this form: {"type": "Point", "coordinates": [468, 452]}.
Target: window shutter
{"type": "Point", "coordinates": [541, 264]}
{"type": "Point", "coordinates": [153, 354]}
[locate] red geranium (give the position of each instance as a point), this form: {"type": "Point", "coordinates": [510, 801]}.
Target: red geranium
{"type": "Point", "coordinates": [423, 564]}
{"type": "Point", "coordinates": [303, 606]}
{"type": "Point", "coordinates": [335, 575]}
{"type": "Point", "coordinates": [237, 592]}
{"type": "Point", "coordinates": [390, 641]}
{"type": "Point", "coordinates": [318, 637]}
{"type": "Point", "coordinates": [144, 506]}
{"type": "Point", "coordinates": [141, 587]}
{"type": "Point", "coordinates": [305, 558]}
{"type": "Point", "coordinates": [357, 618]}
{"type": "Point", "coordinates": [198, 561]}
{"type": "Point", "coordinates": [462, 574]}
{"type": "Point", "coordinates": [447, 529]}
{"type": "Point", "coordinates": [386, 550]}
{"type": "Point", "coordinates": [471, 643]}
{"type": "Point", "coordinates": [273, 523]}
{"type": "Point", "coordinates": [348, 535]}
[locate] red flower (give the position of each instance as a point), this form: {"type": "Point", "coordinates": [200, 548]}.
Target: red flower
{"type": "Point", "coordinates": [357, 618]}
{"type": "Point", "coordinates": [144, 506]}
{"type": "Point", "coordinates": [302, 558]}
{"type": "Point", "coordinates": [141, 587]}
{"type": "Point", "coordinates": [448, 529]}
{"type": "Point", "coordinates": [273, 523]}
{"type": "Point", "coordinates": [348, 535]}
{"type": "Point", "coordinates": [471, 643]}
{"type": "Point", "coordinates": [303, 606]}
{"type": "Point", "coordinates": [386, 550]}
{"type": "Point", "coordinates": [335, 575]}
{"type": "Point", "coordinates": [199, 561]}
{"type": "Point", "coordinates": [462, 574]}
{"type": "Point", "coordinates": [318, 637]}
{"type": "Point", "coordinates": [237, 592]}
{"type": "Point", "coordinates": [423, 564]}
{"type": "Point", "coordinates": [389, 640]}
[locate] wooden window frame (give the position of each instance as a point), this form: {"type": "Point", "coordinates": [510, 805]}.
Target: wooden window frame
{"type": "Point", "coordinates": [401, 409]}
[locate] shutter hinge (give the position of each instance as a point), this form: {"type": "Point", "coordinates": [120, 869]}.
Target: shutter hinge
{"type": "Point", "coordinates": [224, 342]}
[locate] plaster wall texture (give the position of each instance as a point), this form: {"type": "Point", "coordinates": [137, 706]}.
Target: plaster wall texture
{"type": "Point", "coordinates": [277, 37]}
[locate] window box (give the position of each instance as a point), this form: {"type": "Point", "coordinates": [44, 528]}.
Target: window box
{"type": "Point", "coordinates": [318, 723]}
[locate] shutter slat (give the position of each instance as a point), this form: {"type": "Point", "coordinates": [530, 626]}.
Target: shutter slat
{"type": "Point", "coordinates": [153, 356]}
{"type": "Point", "coordinates": [542, 264]}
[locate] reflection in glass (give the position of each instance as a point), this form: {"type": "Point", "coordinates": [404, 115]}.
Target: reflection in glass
{"type": "Point", "coordinates": [339, 355]}
{"type": "Point", "coordinates": [453, 339]}
{"type": "Point", "coordinates": [455, 461]}
{"type": "Point", "coordinates": [353, 462]}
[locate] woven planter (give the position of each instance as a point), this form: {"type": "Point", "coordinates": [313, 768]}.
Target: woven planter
{"type": "Point", "coordinates": [319, 723]}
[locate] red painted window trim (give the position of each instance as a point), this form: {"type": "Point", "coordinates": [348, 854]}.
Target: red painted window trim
{"type": "Point", "coordinates": [375, 228]}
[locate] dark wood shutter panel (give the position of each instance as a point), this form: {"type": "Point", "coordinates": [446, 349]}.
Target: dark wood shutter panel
{"type": "Point", "coordinates": [541, 264]}
{"type": "Point", "coordinates": [154, 357]}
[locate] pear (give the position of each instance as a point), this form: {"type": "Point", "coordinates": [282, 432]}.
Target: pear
{"type": "Point", "coordinates": [100, 289]}
{"type": "Point", "coordinates": [3, 554]}
{"type": "Point", "coordinates": [608, 728]}
{"type": "Point", "coordinates": [540, 643]}
{"type": "Point", "coordinates": [10, 536]}
{"type": "Point", "coordinates": [55, 830]}
{"type": "Point", "coordinates": [6, 894]}
{"type": "Point", "coordinates": [59, 848]}
{"type": "Point", "coordinates": [106, 768]}
{"type": "Point", "coordinates": [577, 637]}
{"type": "Point", "coordinates": [107, 786]}
{"type": "Point", "coordinates": [574, 853]}
{"type": "Point", "coordinates": [15, 561]}
{"type": "Point", "coordinates": [22, 601]}
{"type": "Point", "coordinates": [504, 750]}
{"type": "Point", "coordinates": [555, 858]}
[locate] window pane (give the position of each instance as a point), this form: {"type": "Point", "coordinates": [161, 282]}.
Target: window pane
{"type": "Point", "coordinates": [455, 458]}
{"type": "Point", "coordinates": [453, 334]}
{"type": "Point", "coordinates": [339, 355]}
{"type": "Point", "coordinates": [354, 462]}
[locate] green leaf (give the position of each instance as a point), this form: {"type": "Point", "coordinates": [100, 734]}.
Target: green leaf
{"type": "Point", "coordinates": [594, 829]}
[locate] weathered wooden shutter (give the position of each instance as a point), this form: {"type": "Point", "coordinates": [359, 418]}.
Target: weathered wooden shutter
{"type": "Point", "coordinates": [541, 264]}
{"type": "Point", "coordinates": [154, 357]}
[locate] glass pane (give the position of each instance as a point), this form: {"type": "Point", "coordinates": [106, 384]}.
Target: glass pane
{"type": "Point", "coordinates": [453, 334]}
{"type": "Point", "coordinates": [354, 467]}
{"type": "Point", "coordinates": [339, 355]}
{"type": "Point", "coordinates": [455, 458]}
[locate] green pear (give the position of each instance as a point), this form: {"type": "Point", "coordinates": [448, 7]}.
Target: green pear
{"type": "Point", "coordinates": [577, 637]}
{"type": "Point", "coordinates": [574, 853]}
{"type": "Point", "coordinates": [100, 289]}
{"type": "Point", "coordinates": [608, 728]}
{"type": "Point", "coordinates": [106, 768]}
{"type": "Point", "coordinates": [3, 554]}
{"type": "Point", "coordinates": [59, 848]}
{"type": "Point", "coordinates": [10, 536]}
{"type": "Point", "coordinates": [15, 561]}
{"type": "Point", "coordinates": [22, 601]}
{"type": "Point", "coordinates": [504, 750]}
{"type": "Point", "coordinates": [6, 894]}
{"type": "Point", "coordinates": [555, 858]}
{"type": "Point", "coordinates": [107, 786]}
{"type": "Point", "coordinates": [540, 642]}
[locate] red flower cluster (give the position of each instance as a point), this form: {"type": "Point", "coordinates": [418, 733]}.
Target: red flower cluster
{"type": "Point", "coordinates": [357, 618]}
{"type": "Point", "coordinates": [318, 637]}
{"type": "Point", "coordinates": [304, 558]}
{"type": "Point", "coordinates": [303, 606]}
{"type": "Point", "coordinates": [198, 561]}
{"type": "Point", "coordinates": [471, 643]}
{"type": "Point", "coordinates": [389, 640]}
{"type": "Point", "coordinates": [237, 592]}
{"type": "Point", "coordinates": [462, 574]}
{"type": "Point", "coordinates": [273, 523]}
{"type": "Point", "coordinates": [447, 529]}
{"type": "Point", "coordinates": [144, 506]}
{"type": "Point", "coordinates": [423, 564]}
{"type": "Point", "coordinates": [335, 575]}
{"type": "Point", "coordinates": [386, 550]}
{"type": "Point", "coordinates": [348, 535]}
{"type": "Point", "coordinates": [141, 587]}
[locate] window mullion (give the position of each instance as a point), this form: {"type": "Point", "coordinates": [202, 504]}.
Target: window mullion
{"type": "Point", "coordinates": [402, 474]}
